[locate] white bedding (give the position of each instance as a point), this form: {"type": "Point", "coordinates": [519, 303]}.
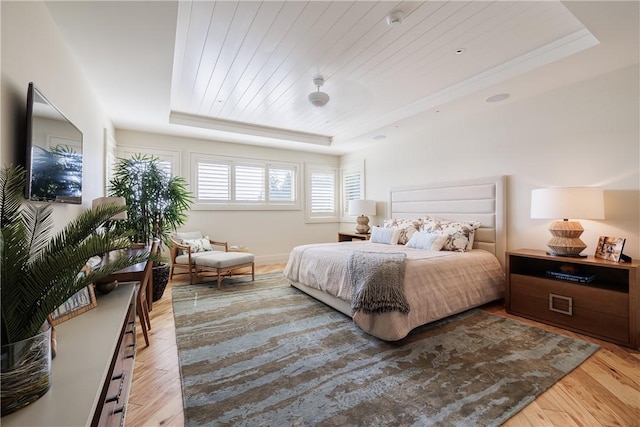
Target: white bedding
{"type": "Point", "coordinates": [437, 284]}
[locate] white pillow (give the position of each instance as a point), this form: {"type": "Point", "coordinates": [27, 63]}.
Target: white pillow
{"type": "Point", "coordinates": [198, 245]}
{"type": "Point", "coordinates": [428, 241]}
{"type": "Point", "coordinates": [459, 232]}
{"type": "Point", "coordinates": [388, 236]}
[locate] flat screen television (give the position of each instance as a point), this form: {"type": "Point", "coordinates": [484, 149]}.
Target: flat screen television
{"type": "Point", "coordinates": [54, 153]}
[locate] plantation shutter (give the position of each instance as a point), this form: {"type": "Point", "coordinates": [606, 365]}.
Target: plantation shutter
{"type": "Point", "coordinates": [351, 189]}
{"type": "Point", "coordinates": [249, 183]}
{"type": "Point", "coordinates": [323, 198]}
{"type": "Point", "coordinates": [214, 182]}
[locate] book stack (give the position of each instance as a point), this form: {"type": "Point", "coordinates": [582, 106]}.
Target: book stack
{"type": "Point", "coordinates": [580, 278]}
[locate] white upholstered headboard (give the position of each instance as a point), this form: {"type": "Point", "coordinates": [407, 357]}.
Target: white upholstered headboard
{"type": "Point", "coordinates": [482, 199]}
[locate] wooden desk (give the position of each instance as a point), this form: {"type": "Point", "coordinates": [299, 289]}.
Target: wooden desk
{"type": "Point", "coordinates": [135, 273]}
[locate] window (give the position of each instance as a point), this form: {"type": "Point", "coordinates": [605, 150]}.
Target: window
{"type": "Point", "coordinates": [225, 182]}
{"type": "Point", "coordinates": [352, 183]}
{"type": "Point", "coordinates": [169, 160]}
{"type": "Point", "coordinates": [322, 190]}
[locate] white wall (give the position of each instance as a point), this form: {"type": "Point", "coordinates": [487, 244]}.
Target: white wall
{"type": "Point", "coordinates": [34, 51]}
{"type": "Point", "coordinates": [270, 235]}
{"type": "Point", "coordinates": [586, 134]}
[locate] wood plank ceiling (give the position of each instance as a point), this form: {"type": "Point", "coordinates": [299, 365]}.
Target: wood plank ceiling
{"type": "Point", "coordinates": [243, 63]}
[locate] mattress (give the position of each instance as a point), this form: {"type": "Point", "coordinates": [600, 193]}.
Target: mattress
{"type": "Point", "coordinates": [436, 284]}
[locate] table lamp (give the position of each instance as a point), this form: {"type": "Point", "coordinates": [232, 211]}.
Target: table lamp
{"type": "Point", "coordinates": [362, 208]}
{"type": "Point", "coordinates": [564, 203]}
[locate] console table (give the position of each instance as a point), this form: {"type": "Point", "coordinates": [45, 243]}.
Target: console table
{"type": "Point", "coordinates": [92, 372]}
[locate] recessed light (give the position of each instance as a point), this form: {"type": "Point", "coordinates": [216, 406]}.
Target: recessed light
{"type": "Point", "coordinates": [460, 51]}
{"type": "Point", "coordinates": [497, 97]}
{"type": "Point", "coordinates": [380, 137]}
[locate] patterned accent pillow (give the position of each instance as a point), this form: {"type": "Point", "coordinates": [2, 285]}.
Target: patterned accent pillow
{"type": "Point", "coordinates": [406, 226]}
{"type": "Point", "coordinates": [460, 232]}
{"type": "Point", "coordinates": [428, 241]}
{"type": "Point", "coordinates": [388, 236]}
{"type": "Point", "coordinates": [198, 245]}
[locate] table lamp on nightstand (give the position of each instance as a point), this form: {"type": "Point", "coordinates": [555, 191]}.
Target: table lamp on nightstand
{"type": "Point", "coordinates": [567, 202]}
{"type": "Point", "coordinates": [362, 208]}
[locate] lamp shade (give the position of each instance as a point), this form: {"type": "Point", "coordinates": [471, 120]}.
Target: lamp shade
{"type": "Point", "coordinates": [567, 202]}
{"type": "Point", "coordinates": [362, 207]}
{"type": "Point", "coordinates": [120, 201]}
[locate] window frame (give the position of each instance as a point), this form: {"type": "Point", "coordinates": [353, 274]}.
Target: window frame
{"type": "Point", "coordinates": [172, 156]}
{"type": "Point", "coordinates": [232, 203]}
{"type": "Point", "coordinates": [346, 169]}
{"type": "Point", "coordinates": [310, 216]}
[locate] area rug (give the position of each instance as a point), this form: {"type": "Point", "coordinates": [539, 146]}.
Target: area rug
{"type": "Point", "coordinates": [265, 354]}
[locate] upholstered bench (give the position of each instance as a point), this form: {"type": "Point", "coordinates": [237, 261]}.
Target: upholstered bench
{"type": "Point", "coordinates": [197, 254]}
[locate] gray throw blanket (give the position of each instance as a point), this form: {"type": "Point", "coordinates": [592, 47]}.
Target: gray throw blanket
{"type": "Point", "coordinates": [376, 281]}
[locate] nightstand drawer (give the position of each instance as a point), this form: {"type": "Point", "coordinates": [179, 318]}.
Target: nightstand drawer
{"type": "Point", "coordinates": [598, 311]}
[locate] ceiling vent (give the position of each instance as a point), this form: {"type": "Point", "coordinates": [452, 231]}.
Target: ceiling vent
{"type": "Point", "coordinates": [319, 99]}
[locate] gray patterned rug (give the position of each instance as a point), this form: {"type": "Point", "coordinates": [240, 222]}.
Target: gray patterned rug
{"type": "Point", "coordinates": [265, 354]}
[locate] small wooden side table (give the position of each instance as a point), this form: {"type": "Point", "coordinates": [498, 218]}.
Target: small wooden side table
{"type": "Point", "coordinates": [345, 236]}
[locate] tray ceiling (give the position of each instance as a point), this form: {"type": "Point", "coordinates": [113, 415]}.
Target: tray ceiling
{"type": "Point", "coordinates": [241, 71]}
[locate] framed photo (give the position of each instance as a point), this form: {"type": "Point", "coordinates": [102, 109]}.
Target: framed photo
{"type": "Point", "coordinates": [81, 301]}
{"type": "Point", "coordinates": [610, 248]}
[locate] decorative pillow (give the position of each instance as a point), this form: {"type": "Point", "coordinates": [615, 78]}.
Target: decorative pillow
{"type": "Point", "coordinates": [198, 245]}
{"type": "Point", "coordinates": [406, 226]}
{"type": "Point", "coordinates": [388, 236]}
{"type": "Point", "coordinates": [428, 241]}
{"type": "Point", "coordinates": [460, 232]}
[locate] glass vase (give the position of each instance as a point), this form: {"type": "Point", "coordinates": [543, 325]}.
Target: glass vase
{"type": "Point", "coordinates": [25, 372]}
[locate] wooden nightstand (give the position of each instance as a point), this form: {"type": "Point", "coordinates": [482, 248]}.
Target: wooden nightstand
{"type": "Point", "coordinates": [349, 236]}
{"type": "Point", "coordinates": [607, 307]}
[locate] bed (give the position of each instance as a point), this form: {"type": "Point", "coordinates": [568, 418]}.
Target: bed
{"type": "Point", "coordinates": [436, 284]}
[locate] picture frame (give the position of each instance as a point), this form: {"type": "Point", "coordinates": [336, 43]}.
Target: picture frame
{"type": "Point", "coordinates": [610, 248]}
{"type": "Point", "coordinates": [81, 301]}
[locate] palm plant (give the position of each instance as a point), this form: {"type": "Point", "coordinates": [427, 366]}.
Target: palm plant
{"type": "Point", "coordinates": [39, 272]}
{"type": "Point", "coordinates": [157, 202]}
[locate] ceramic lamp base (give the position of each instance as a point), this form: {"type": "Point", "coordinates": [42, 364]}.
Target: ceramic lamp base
{"type": "Point", "coordinates": [566, 238]}
{"type": "Point", "coordinates": [363, 224]}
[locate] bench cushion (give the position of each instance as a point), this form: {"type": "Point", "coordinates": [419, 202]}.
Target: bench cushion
{"type": "Point", "coordinates": [183, 259]}
{"type": "Point", "coordinates": [219, 259]}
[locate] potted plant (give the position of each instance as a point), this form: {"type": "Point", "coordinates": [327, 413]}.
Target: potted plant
{"type": "Point", "coordinates": [39, 273]}
{"type": "Point", "coordinates": [157, 205]}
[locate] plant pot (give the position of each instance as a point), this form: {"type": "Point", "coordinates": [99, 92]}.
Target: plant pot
{"type": "Point", "coordinates": [160, 280]}
{"type": "Point", "coordinates": [25, 373]}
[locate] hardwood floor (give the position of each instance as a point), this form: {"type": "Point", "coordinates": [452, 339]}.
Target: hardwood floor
{"type": "Point", "coordinates": [603, 391]}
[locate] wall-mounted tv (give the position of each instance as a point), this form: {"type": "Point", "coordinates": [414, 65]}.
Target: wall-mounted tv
{"type": "Point", "coordinates": [54, 153]}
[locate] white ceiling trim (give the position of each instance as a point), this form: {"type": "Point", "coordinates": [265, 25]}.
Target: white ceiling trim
{"type": "Point", "coordinates": [205, 122]}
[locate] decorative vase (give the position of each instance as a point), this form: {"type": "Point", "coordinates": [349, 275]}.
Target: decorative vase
{"type": "Point", "coordinates": [25, 373]}
{"type": "Point", "coordinates": [160, 280]}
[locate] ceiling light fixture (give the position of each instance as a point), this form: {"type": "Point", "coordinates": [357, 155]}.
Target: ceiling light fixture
{"type": "Point", "coordinates": [395, 18]}
{"type": "Point", "coordinates": [319, 99]}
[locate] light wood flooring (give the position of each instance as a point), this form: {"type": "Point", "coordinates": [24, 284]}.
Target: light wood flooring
{"type": "Point", "coordinates": [603, 391]}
